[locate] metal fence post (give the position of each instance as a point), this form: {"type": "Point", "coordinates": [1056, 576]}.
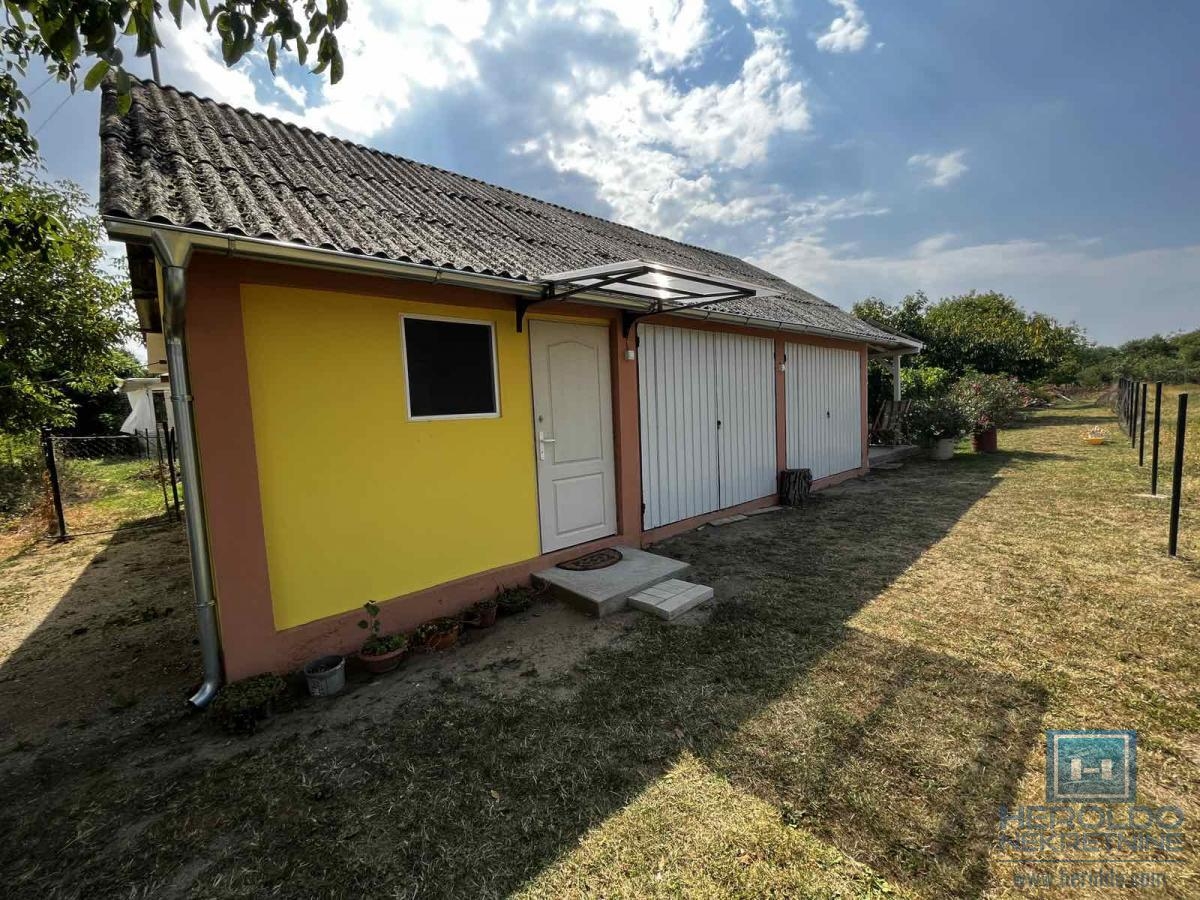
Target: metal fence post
{"type": "Point", "coordinates": [170, 435]}
{"type": "Point", "coordinates": [55, 491]}
{"type": "Point", "coordinates": [162, 475]}
{"type": "Point", "coordinates": [1177, 475]}
{"type": "Point", "coordinates": [1133, 415]}
{"type": "Point", "coordinates": [1142, 430]}
{"type": "Point", "coordinates": [1154, 448]}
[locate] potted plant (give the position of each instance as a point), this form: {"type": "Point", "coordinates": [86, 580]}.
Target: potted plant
{"type": "Point", "coordinates": [380, 652]}
{"type": "Point", "coordinates": [513, 600]}
{"type": "Point", "coordinates": [482, 614]}
{"type": "Point", "coordinates": [439, 634]}
{"type": "Point", "coordinates": [938, 423]}
{"type": "Point", "coordinates": [244, 705]}
{"type": "Point", "coordinates": [990, 401]}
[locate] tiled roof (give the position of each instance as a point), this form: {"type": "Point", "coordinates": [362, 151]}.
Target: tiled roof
{"type": "Point", "coordinates": [183, 160]}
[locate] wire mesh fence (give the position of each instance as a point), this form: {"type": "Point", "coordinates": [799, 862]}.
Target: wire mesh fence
{"type": "Point", "coordinates": [102, 483]}
{"type": "Point", "coordinates": [1155, 418]}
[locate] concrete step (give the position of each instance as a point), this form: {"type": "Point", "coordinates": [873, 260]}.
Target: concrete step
{"type": "Point", "coordinates": [604, 591]}
{"type": "Point", "coordinates": [670, 598]}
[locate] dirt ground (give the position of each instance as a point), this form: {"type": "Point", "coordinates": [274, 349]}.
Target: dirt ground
{"type": "Point", "coordinates": [97, 637]}
{"type": "Point", "coordinates": [94, 632]}
{"type": "Point", "coordinates": [871, 686]}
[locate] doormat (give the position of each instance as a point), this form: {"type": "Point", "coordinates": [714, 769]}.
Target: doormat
{"type": "Point", "coordinates": [601, 559]}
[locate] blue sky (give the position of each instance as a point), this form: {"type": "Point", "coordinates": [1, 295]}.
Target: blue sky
{"type": "Point", "coordinates": [1047, 150]}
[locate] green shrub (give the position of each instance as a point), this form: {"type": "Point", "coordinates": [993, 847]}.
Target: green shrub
{"type": "Point", "coordinates": [934, 419]}
{"type": "Point", "coordinates": [243, 705]}
{"type": "Point", "coordinates": [22, 472]}
{"type": "Point", "coordinates": [989, 401]}
{"type": "Point", "coordinates": [924, 382]}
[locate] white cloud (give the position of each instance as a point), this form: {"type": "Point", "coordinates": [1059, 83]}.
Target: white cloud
{"type": "Point", "coordinates": [939, 171]}
{"type": "Point", "coordinates": [390, 53]}
{"type": "Point", "coordinates": [657, 153]}
{"type": "Point", "coordinates": [847, 33]}
{"type": "Point", "coordinates": [1067, 278]}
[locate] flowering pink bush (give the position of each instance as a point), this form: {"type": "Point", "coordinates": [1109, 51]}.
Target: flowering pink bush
{"type": "Point", "coordinates": [989, 401]}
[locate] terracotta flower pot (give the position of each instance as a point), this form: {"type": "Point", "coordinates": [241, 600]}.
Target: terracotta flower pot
{"type": "Point", "coordinates": [378, 663]}
{"type": "Point", "coordinates": [985, 441]}
{"type": "Point", "coordinates": [443, 640]}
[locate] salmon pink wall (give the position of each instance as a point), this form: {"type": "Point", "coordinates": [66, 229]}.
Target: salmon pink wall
{"type": "Point", "coordinates": [254, 639]}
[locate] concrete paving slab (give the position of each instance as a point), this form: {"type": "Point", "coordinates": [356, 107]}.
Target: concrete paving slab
{"type": "Point", "coordinates": [728, 520]}
{"type": "Point", "coordinates": [680, 596]}
{"type": "Point", "coordinates": [603, 591]}
{"type": "Point", "coordinates": [766, 509]}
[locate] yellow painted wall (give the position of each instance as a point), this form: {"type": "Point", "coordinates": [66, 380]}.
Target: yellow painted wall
{"type": "Point", "coordinates": [359, 503]}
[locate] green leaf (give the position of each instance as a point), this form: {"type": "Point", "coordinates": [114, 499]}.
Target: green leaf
{"type": "Point", "coordinates": [301, 50]}
{"type": "Point", "coordinates": [272, 54]}
{"type": "Point", "coordinates": [95, 74]}
{"type": "Point", "coordinates": [15, 12]}
{"type": "Point", "coordinates": [176, 7]}
{"type": "Point", "coordinates": [335, 67]}
{"type": "Point", "coordinates": [124, 92]}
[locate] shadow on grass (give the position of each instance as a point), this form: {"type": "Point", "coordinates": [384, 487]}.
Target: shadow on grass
{"type": "Point", "coordinates": [117, 635]}
{"type": "Point", "coordinates": [897, 755]}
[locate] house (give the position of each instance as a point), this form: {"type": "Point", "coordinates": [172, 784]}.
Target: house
{"type": "Point", "coordinates": [395, 383]}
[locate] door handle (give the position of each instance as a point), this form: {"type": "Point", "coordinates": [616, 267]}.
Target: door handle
{"type": "Point", "coordinates": [542, 442]}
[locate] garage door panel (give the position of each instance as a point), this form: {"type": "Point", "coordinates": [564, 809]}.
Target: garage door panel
{"type": "Point", "coordinates": [746, 403]}
{"type": "Point", "coordinates": [707, 408]}
{"type": "Point", "coordinates": [824, 409]}
{"type": "Point", "coordinates": [676, 386]}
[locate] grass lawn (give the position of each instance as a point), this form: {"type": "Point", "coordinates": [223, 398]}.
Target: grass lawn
{"type": "Point", "coordinates": [111, 492]}
{"type": "Point", "coordinates": [872, 686]}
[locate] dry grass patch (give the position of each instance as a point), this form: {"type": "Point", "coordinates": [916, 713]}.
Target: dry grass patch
{"type": "Point", "coordinates": [872, 686]}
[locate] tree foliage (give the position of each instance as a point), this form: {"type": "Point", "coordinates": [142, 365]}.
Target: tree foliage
{"type": "Point", "coordinates": [982, 332]}
{"type": "Point", "coordinates": [69, 35]}
{"type": "Point", "coordinates": [1172, 358]}
{"type": "Point", "coordinates": [63, 319]}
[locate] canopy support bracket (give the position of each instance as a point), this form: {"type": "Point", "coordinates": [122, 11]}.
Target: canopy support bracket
{"type": "Point", "coordinates": [630, 319]}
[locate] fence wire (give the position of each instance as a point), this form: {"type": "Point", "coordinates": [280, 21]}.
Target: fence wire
{"type": "Point", "coordinates": [104, 483]}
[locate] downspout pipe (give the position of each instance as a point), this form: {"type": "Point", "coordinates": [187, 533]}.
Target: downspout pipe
{"type": "Point", "coordinates": [173, 255]}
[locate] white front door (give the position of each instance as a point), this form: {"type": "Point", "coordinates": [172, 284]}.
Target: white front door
{"type": "Point", "coordinates": [573, 433]}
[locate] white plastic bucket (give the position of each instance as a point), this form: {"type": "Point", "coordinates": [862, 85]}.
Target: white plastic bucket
{"type": "Point", "coordinates": [325, 676]}
{"type": "Point", "coordinates": [944, 449]}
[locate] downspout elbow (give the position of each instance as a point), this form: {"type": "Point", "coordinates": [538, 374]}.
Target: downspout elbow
{"type": "Point", "coordinates": [174, 259]}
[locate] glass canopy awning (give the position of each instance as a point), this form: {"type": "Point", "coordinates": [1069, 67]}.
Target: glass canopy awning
{"type": "Point", "coordinates": [647, 288]}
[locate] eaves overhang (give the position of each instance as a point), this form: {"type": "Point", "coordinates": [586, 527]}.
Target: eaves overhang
{"type": "Point", "coordinates": [135, 231]}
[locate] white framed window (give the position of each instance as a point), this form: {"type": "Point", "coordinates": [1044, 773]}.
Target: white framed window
{"type": "Point", "coordinates": [450, 368]}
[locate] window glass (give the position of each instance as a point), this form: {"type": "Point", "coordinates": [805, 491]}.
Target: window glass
{"type": "Point", "coordinates": [451, 368]}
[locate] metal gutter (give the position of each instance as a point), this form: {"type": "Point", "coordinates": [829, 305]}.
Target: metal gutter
{"type": "Point", "coordinates": [174, 252]}
{"type": "Point", "coordinates": [137, 231]}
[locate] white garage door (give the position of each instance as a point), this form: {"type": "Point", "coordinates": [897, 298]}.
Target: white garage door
{"type": "Point", "coordinates": [707, 406]}
{"type": "Point", "coordinates": [824, 409]}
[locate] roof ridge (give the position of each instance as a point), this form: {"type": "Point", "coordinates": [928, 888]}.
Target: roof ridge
{"type": "Point", "coordinates": [182, 92]}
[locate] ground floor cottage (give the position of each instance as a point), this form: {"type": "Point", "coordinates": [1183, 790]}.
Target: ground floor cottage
{"type": "Point", "coordinates": [397, 384]}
